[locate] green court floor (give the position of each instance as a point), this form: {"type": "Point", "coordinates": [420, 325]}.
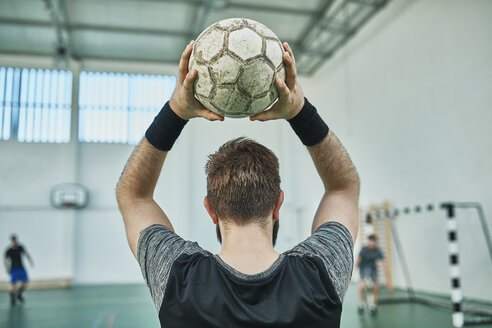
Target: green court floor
{"type": "Point", "coordinates": [130, 306]}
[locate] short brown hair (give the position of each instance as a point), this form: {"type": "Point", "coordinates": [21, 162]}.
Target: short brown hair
{"type": "Point", "coordinates": [243, 181]}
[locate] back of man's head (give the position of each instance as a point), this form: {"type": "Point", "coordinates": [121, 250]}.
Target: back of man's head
{"type": "Point", "coordinates": [243, 181]}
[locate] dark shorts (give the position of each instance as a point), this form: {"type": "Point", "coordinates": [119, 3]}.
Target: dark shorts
{"type": "Point", "coordinates": [369, 273]}
{"type": "Point", "coordinates": [18, 275]}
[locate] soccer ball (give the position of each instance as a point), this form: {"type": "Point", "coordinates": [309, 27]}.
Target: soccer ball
{"type": "Point", "coordinates": [237, 62]}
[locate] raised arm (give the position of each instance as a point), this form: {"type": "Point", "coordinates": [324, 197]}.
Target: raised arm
{"type": "Point", "coordinates": [135, 190]}
{"type": "Point", "coordinates": [340, 179]}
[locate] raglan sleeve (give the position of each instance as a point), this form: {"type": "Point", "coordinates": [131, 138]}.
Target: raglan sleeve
{"type": "Point", "coordinates": [332, 243]}
{"type": "Point", "coordinates": [158, 247]}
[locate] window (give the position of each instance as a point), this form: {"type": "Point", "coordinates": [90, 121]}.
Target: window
{"type": "Point", "coordinates": [35, 104]}
{"type": "Point", "coordinates": [115, 107]}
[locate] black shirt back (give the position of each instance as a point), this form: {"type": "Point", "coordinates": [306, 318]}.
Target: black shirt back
{"type": "Point", "coordinates": [203, 293]}
{"type": "Point", "coordinates": [191, 287]}
{"type": "Point", "coordinates": [15, 255]}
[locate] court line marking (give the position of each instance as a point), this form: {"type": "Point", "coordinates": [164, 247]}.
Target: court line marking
{"type": "Point", "coordinates": [111, 317]}
{"type": "Point", "coordinates": [98, 320]}
{"type": "Point", "coordinates": [87, 302]}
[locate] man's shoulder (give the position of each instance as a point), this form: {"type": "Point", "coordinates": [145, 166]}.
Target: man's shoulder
{"type": "Point", "coordinates": [330, 234]}
{"type": "Point", "coordinates": [161, 236]}
{"type": "Point", "coordinates": [331, 242]}
{"type": "Point", "coordinates": [158, 243]}
{"type": "Point", "coordinates": [330, 245]}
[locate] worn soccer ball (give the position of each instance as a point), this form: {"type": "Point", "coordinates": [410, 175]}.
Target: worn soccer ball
{"type": "Point", "coordinates": [237, 62]}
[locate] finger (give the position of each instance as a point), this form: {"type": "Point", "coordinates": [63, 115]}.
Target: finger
{"type": "Point", "coordinates": [198, 105]}
{"type": "Point", "coordinates": [282, 88]}
{"type": "Point", "coordinates": [290, 70]}
{"type": "Point", "coordinates": [267, 115]}
{"type": "Point", "coordinates": [289, 50]}
{"type": "Point", "coordinates": [184, 61]}
{"type": "Point", "coordinates": [209, 115]}
{"type": "Point", "coordinates": [188, 81]}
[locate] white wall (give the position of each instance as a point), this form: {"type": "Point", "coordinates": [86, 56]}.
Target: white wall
{"type": "Point", "coordinates": [27, 173]}
{"type": "Point", "coordinates": [411, 98]}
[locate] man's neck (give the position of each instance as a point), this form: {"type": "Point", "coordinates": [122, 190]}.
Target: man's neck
{"type": "Point", "coordinates": [248, 249]}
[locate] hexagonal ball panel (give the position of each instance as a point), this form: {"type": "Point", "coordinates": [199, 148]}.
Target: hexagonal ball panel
{"type": "Point", "coordinates": [274, 52]}
{"type": "Point", "coordinates": [257, 77]}
{"type": "Point", "coordinates": [221, 99]}
{"type": "Point", "coordinates": [225, 70]}
{"type": "Point", "coordinates": [209, 45]}
{"type": "Point", "coordinates": [238, 104]}
{"type": "Point", "coordinates": [260, 104]}
{"type": "Point", "coordinates": [203, 84]}
{"type": "Point", "coordinates": [262, 29]}
{"type": "Point", "coordinates": [206, 102]}
{"type": "Point", "coordinates": [245, 43]}
{"type": "Point", "coordinates": [231, 23]}
{"type": "Point", "coordinates": [231, 102]}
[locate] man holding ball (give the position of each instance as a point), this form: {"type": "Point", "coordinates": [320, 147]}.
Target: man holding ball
{"type": "Point", "coordinates": [248, 284]}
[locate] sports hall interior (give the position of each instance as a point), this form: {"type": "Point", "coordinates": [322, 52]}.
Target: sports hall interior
{"type": "Point", "coordinates": [405, 84]}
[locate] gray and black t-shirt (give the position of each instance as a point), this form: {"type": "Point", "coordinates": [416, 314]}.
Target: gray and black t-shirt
{"type": "Point", "coordinates": [192, 287]}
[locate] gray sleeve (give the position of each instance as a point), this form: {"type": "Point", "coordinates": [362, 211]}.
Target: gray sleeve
{"type": "Point", "coordinates": [158, 247]}
{"type": "Point", "coordinates": [332, 242]}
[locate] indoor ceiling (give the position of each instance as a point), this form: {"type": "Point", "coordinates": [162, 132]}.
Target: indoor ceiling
{"type": "Point", "coordinates": [157, 30]}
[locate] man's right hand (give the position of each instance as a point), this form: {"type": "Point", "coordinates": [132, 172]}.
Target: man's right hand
{"type": "Point", "coordinates": [290, 95]}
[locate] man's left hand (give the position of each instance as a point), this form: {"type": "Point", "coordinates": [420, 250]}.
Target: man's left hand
{"type": "Point", "coordinates": [183, 101]}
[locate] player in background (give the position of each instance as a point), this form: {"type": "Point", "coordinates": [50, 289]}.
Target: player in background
{"type": "Point", "coordinates": [367, 262]}
{"type": "Point", "coordinates": [16, 269]}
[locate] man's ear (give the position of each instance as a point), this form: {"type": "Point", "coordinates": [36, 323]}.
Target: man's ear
{"type": "Point", "coordinates": [210, 210]}
{"type": "Point", "coordinates": [278, 204]}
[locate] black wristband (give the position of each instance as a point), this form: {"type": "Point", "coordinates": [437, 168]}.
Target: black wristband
{"type": "Point", "coordinates": [165, 129]}
{"type": "Point", "coordinates": [308, 125]}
